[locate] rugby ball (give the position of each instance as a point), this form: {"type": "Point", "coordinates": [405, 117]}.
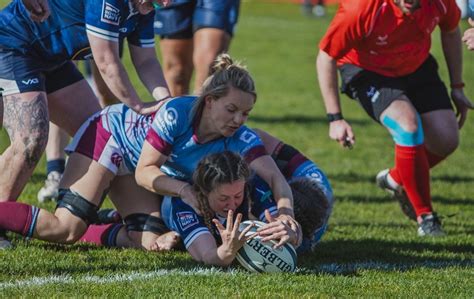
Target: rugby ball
{"type": "Point", "coordinates": [261, 257]}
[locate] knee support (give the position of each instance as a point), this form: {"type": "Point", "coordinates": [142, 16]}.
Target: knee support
{"type": "Point", "coordinates": [77, 205]}
{"type": "Point", "coordinates": [141, 222]}
{"type": "Point", "coordinates": [402, 137]}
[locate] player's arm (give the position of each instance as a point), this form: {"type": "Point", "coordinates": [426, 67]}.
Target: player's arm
{"type": "Point", "coordinates": [149, 70]}
{"type": "Point", "coordinates": [205, 249]}
{"type": "Point", "coordinates": [149, 176]}
{"type": "Point", "coordinates": [266, 168]}
{"type": "Point", "coordinates": [452, 50]}
{"type": "Point", "coordinates": [107, 59]}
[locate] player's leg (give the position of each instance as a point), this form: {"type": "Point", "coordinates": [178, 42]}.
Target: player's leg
{"type": "Point", "coordinates": [26, 123]}
{"type": "Point", "coordinates": [431, 99]}
{"type": "Point", "coordinates": [55, 162]}
{"type": "Point", "coordinates": [175, 30]}
{"type": "Point", "coordinates": [213, 24]}
{"type": "Point", "coordinates": [82, 188]}
{"type": "Point", "coordinates": [140, 210]}
{"type": "Point", "coordinates": [70, 98]}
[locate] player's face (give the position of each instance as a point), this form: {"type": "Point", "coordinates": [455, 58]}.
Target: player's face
{"type": "Point", "coordinates": [408, 6]}
{"type": "Point", "coordinates": [227, 197]}
{"type": "Point", "coordinates": [230, 112]}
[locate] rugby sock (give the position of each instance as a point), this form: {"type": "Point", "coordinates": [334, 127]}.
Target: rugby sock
{"type": "Point", "coordinates": [433, 159]}
{"type": "Point", "coordinates": [55, 165]}
{"type": "Point", "coordinates": [413, 169]}
{"type": "Point", "coordinates": [104, 235]}
{"type": "Point", "coordinates": [18, 217]}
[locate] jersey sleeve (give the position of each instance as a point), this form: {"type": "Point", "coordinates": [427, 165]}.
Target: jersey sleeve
{"type": "Point", "coordinates": [187, 223]}
{"type": "Point", "coordinates": [166, 127]}
{"type": "Point", "coordinates": [143, 36]}
{"type": "Point", "coordinates": [262, 198]}
{"type": "Point", "coordinates": [345, 31]}
{"type": "Point", "coordinates": [249, 145]}
{"type": "Point", "coordinates": [450, 19]}
{"type": "Point", "coordinates": [102, 18]}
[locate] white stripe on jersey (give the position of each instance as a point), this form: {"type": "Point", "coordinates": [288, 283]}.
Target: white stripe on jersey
{"type": "Point", "coordinates": [194, 235]}
{"type": "Point", "coordinates": [110, 37]}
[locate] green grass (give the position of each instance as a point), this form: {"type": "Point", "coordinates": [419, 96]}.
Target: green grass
{"type": "Point", "coordinates": [370, 250]}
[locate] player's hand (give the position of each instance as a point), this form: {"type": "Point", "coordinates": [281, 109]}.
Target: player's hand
{"type": "Point", "coordinates": [38, 9]}
{"type": "Point", "coordinates": [462, 104]}
{"type": "Point", "coordinates": [189, 197]}
{"type": "Point", "coordinates": [283, 228]}
{"type": "Point", "coordinates": [468, 37]}
{"type": "Point", "coordinates": [149, 107]}
{"type": "Point", "coordinates": [232, 238]}
{"type": "Point", "coordinates": [164, 3]}
{"type": "Point", "coordinates": [341, 131]}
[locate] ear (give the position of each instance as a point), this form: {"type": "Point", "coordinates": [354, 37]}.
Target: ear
{"type": "Point", "coordinates": [208, 100]}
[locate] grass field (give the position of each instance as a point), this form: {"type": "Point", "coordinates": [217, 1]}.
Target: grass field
{"type": "Point", "coordinates": [370, 250]}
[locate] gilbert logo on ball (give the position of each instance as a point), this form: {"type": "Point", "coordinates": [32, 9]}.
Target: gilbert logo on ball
{"type": "Point", "coordinates": [258, 256]}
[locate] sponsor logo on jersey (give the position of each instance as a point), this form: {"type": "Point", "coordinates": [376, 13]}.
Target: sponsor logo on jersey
{"type": "Point", "coordinates": [158, 24]}
{"type": "Point", "coordinates": [247, 136]}
{"type": "Point", "coordinates": [110, 14]}
{"type": "Point", "coordinates": [186, 219]}
{"type": "Point", "coordinates": [382, 40]}
{"type": "Point", "coordinates": [30, 81]}
{"type": "Point", "coordinates": [116, 159]}
{"type": "Point", "coordinates": [171, 115]}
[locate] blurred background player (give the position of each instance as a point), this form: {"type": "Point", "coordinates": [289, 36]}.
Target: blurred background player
{"type": "Point", "coordinates": [39, 82]}
{"type": "Point", "coordinates": [193, 33]}
{"type": "Point", "coordinates": [382, 51]}
{"type": "Point", "coordinates": [318, 10]}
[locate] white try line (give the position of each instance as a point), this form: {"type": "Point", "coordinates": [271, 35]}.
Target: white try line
{"type": "Point", "coordinates": [332, 268]}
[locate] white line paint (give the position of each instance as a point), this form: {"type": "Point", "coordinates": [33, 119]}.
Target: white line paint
{"type": "Point", "coordinates": [332, 268]}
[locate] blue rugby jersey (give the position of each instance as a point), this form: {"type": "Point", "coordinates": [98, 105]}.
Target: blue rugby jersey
{"type": "Point", "coordinates": [173, 134]}
{"type": "Point", "coordinates": [63, 36]}
{"type": "Point", "coordinates": [181, 218]}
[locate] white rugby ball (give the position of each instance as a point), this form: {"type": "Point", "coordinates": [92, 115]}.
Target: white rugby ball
{"type": "Point", "coordinates": [258, 256]}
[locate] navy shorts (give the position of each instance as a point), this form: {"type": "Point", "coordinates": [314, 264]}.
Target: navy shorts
{"type": "Point", "coordinates": [20, 73]}
{"type": "Point", "coordinates": [184, 17]}
{"type": "Point", "coordinates": [424, 88]}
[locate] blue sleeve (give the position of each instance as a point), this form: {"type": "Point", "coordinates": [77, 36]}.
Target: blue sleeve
{"type": "Point", "coordinates": [167, 125]}
{"type": "Point", "coordinates": [143, 36]}
{"type": "Point", "coordinates": [262, 198]}
{"type": "Point", "coordinates": [103, 18]}
{"type": "Point", "coordinates": [184, 220]}
{"type": "Point", "coordinates": [248, 144]}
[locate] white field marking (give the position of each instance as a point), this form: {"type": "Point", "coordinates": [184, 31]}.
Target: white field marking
{"type": "Point", "coordinates": [332, 268]}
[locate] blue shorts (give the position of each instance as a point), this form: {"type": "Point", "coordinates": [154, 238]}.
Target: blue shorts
{"type": "Point", "coordinates": [20, 73]}
{"type": "Point", "coordinates": [184, 17]}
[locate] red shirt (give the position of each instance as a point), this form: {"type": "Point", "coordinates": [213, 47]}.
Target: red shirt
{"type": "Point", "coordinates": [375, 35]}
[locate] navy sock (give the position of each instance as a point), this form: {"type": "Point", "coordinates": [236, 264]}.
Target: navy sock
{"type": "Point", "coordinates": [55, 165]}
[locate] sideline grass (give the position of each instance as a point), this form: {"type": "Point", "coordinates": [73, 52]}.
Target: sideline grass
{"type": "Point", "coordinates": [370, 249]}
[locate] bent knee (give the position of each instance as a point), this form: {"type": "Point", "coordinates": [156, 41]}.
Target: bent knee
{"type": "Point", "coordinates": [406, 131]}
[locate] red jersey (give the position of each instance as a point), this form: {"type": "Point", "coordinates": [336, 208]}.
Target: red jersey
{"type": "Point", "coordinates": [375, 35]}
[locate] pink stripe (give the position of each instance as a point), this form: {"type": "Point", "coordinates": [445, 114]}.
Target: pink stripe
{"type": "Point", "coordinates": [158, 143]}
{"type": "Point", "coordinates": [254, 153]}
{"type": "Point", "coordinates": [94, 140]}
{"type": "Point", "coordinates": [293, 164]}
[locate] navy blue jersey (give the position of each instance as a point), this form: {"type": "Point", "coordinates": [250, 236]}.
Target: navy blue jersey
{"type": "Point", "coordinates": [63, 36]}
{"type": "Point", "coordinates": [181, 218]}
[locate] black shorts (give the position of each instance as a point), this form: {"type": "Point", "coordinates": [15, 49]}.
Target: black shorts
{"type": "Point", "coordinates": [424, 88]}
